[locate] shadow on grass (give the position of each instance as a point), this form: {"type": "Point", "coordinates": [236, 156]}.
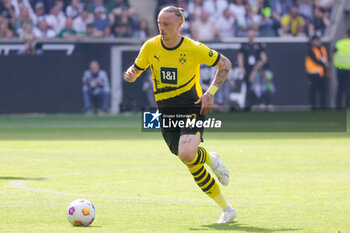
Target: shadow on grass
{"type": "Point", "coordinates": [22, 178]}
{"type": "Point", "coordinates": [234, 226]}
{"type": "Point", "coordinates": [91, 226]}
{"type": "Point", "coordinates": [11, 178]}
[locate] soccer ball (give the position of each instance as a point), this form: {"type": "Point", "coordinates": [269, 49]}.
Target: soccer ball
{"type": "Point", "coordinates": [81, 213]}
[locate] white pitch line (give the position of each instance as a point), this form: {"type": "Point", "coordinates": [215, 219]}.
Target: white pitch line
{"type": "Point", "coordinates": [20, 185]}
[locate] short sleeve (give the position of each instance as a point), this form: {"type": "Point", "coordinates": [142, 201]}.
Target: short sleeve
{"type": "Point", "coordinates": [141, 62]}
{"type": "Point", "coordinates": [207, 56]}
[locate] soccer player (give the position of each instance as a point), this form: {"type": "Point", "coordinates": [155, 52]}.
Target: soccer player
{"type": "Point", "coordinates": [175, 63]}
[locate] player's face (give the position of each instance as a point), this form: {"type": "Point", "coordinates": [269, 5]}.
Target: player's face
{"type": "Point", "coordinates": [169, 25]}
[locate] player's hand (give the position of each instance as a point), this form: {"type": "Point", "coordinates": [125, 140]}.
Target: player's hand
{"type": "Point", "coordinates": [130, 74]}
{"type": "Point", "coordinates": [206, 101]}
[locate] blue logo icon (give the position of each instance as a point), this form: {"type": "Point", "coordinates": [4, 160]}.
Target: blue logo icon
{"type": "Point", "coordinates": [151, 120]}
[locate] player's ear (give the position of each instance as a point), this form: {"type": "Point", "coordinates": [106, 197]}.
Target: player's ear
{"type": "Point", "coordinates": [179, 24]}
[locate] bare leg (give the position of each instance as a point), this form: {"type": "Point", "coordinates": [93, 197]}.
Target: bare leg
{"type": "Point", "coordinates": [188, 145]}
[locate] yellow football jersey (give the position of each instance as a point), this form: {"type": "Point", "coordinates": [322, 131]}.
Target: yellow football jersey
{"type": "Point", "coordinates": [175, 71]}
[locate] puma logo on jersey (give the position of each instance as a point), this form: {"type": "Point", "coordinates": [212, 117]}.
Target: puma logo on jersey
{"type": "Point", "coordinates": [156, 57]}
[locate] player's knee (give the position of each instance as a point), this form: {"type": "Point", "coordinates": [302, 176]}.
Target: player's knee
{"type": "Point", "coordinates": [186, 154]}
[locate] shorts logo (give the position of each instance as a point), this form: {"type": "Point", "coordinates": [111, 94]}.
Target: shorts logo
{"type": "Point", "coordinates": [168, 75]}
{"type": "Point", "coordinates": [151, 120]}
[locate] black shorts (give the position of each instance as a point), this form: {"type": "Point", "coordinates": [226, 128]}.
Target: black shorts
{"type": "Point", "coordinates": [182, 105]}
{"type": "Point", "coordinates": [172, 135]}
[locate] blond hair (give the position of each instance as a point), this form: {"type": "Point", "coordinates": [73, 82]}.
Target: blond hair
{"type": "Point", "coordinates": [178, 11]}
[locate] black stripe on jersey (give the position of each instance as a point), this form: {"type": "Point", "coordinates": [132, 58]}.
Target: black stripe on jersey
{"type": "Point", "coordinates": [217, 60]}
{"type": "Point", "coordinates": [137, 67]}
{"type": "Point", "coordinates": [178, 45]}
{"type": "Point", "coordinates": [168, 89]}
{"type": "Point", "coordinates": [156, 82]}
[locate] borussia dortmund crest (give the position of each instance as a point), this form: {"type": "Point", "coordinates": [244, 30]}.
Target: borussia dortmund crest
{"type": "Point", "coordinates": [182, 58]}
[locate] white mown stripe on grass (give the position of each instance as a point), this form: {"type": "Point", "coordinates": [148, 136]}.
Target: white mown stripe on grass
{"type": "Point", "coordinates": [20, 185]}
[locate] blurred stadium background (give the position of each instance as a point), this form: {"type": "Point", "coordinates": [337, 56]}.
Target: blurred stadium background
{"type": "Point", "coordinates": [42, 66]}
{"type": "Point", "coordinates": [292, 178]}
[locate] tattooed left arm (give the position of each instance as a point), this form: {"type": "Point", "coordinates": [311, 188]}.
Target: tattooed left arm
{"type": "Point", "coordinates": [224, 66]}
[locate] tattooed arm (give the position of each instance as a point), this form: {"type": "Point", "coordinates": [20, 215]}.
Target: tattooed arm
{"type": "Point", "coordinates": [224, 66]}
{"type": "Point", "coordinates": [207, 100]}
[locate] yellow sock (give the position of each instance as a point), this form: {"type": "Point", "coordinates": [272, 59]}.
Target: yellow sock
{"type": "Point", "coordinates": [201, 157]}
{"type": "Point", "coordinates": [221, 201]}
{"type": "Point", "coordinates": [208, 184]}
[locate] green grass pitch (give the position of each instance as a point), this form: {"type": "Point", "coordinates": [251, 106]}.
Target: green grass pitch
{"type": "Point", "coordinates": [280, 182]}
